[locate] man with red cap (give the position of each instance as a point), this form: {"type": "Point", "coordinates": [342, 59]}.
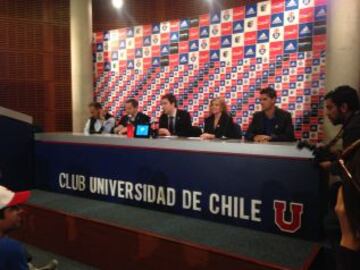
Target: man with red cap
{"type": "Point", "coordinates": [12, 253]}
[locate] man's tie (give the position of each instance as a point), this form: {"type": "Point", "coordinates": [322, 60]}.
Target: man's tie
{"type": "Point", "coordinates": [171, 125]}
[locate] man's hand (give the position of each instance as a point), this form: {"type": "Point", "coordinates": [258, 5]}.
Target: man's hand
{"type": "Point", "coordinates": [348, 238]}
{"type": "Point", "coordinates": [164, 132]}
{"type": "Point", "coordinates": [325, 165]}
{"type": "Point", "coordinates": [123, 131]}
{"type": "Point", "coordinates": [207, 136]}
{"type": "Point", "coordinates": [120, 130]}
{"type": "Point", "coordinates": [262, 138]}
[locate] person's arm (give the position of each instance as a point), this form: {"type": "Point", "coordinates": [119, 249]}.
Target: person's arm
{"type": "Point", "coordinates": [121, 127]}
{"type": "Point", "coordinates": [287, 135]}
{"type": "Point", "coordinates": [163, 122]}
{"type": "Point", "coordinates": [163, 126]}
{"type": "Point", "coordinates": [17, 259]}
{"type": "Point", "coordinates": [238, 131]}
{"type": "Point", "coordinates": [187, 124]}
{"type": "Point", "coordinates": [207, 125]}
{"type": "Point", "coordinates": [348, 254]}
{"type": "Point", "coordinates": [348, 238]}
{"type": "Point", "coordinates": [230, 129]}
{"type": "Point", "coordinates": [108, 125]}
{"type": "Point", "coordinates": [123, 121]}
{"type": "Point", "coordinates": [255, 130]}
{"type": "Point", "coordinates": [208, 132]}
{"type": "Point", "coordinates": [187, 121]}
{"type": "Point", "coordinates": [87, 127]}
{"type": "Point", "coordinates": [234, 131]}
{"type": "Point", "coordinates": [186, 127]}
{"type": "Point", "coordinates": [251, 132]}
{"type": "Point", "coordinates": [164, 132]}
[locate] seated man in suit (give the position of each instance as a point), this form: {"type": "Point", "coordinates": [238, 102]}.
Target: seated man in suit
{"type": "Point", "coordinates": [219, 124]}
{"type": "Point", "coordinates": [132, 116]}
{"type": "Point", "coordinates": [272, 123]}
{"type": "Point", "coordinates": [173, 121]}
{"type": "Point", "coordinates": [100, 121]}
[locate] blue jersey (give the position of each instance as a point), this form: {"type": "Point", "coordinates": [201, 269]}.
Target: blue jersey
{"type": "Point", "coordinates": [12, 255]}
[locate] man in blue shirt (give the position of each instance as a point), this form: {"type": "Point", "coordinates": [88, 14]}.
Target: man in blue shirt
{"type": "Point", "coordinates": [12, 254]}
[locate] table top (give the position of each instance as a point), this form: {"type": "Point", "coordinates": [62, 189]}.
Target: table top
{"type": "Point", "coordinates": [231, 147]}
{"type": "Point", "coordinates": [15, 115]}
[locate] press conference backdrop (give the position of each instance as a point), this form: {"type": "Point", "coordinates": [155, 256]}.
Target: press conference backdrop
{"type": "Point", "coordinates": [230, 53]}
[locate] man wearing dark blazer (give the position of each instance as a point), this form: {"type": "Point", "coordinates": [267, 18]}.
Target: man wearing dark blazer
{"type": "Point", "coordinates": [173, 122]}
{"type": "Point", "coordinates": [132, 116]}
{"type": "Point", "coordinates": [271, 124]}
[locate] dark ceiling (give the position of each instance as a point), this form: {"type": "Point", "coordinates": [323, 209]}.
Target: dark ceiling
{"type": "Point", "coordinates": [139, 12]}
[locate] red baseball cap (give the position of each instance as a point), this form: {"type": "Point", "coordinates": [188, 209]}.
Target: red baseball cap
{"type": "Point", "coordinates": [10, 198]}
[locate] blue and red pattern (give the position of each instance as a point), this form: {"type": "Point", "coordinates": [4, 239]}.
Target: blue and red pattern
{"type": "Point", "coordinates": [231, 53]}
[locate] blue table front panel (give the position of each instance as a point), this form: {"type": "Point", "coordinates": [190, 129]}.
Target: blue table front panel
{"type": "Point", "coordinates": [248, 178]}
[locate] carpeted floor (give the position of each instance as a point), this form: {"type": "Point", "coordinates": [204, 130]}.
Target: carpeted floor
{"type": "Point", "coordinates": [275, 249]}
{"type": "Point", "coordinates": [41, 258]}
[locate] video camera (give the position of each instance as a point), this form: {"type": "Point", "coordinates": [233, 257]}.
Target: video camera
{"type": "Point", "coordinates": [320, 153]}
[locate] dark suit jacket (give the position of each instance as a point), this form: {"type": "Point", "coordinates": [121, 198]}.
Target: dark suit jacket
{"type": "Point", "coordinates": [283, 129]}
{"type": "Point", "coordinates": [182, 123]}
{"type": "Point", "coordinates": [139, 119]}
{"type": "Point", "coordinates": [224, 128]}
{"type": "Point", "coordinates": [351, 130]}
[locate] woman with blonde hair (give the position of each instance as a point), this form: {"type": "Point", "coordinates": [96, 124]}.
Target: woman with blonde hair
{"type": "Point", "coordinates": [220, 123]}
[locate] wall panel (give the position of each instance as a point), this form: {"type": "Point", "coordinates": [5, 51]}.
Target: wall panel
{"type": "Point", "coordinates": [35, 59]}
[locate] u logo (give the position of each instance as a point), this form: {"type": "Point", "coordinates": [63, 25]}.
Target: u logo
{"type": "Point", "coordinates": [296, 210]}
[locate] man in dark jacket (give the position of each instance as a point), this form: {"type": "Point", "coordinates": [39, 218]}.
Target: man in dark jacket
{"type": "Point", "coordinates": [173, 121]}
{"type": "Point", "coordinates": [272, 123]}
{"type": "Point", "coordinates": [342, 108]}
{"type": "Point", "coordinates": [133, 116]}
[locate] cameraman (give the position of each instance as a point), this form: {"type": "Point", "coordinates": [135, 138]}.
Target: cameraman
{"type": "Point", "coordinates": [348, 209]}
{"type": "Point", "coordinates": [342, 108]}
